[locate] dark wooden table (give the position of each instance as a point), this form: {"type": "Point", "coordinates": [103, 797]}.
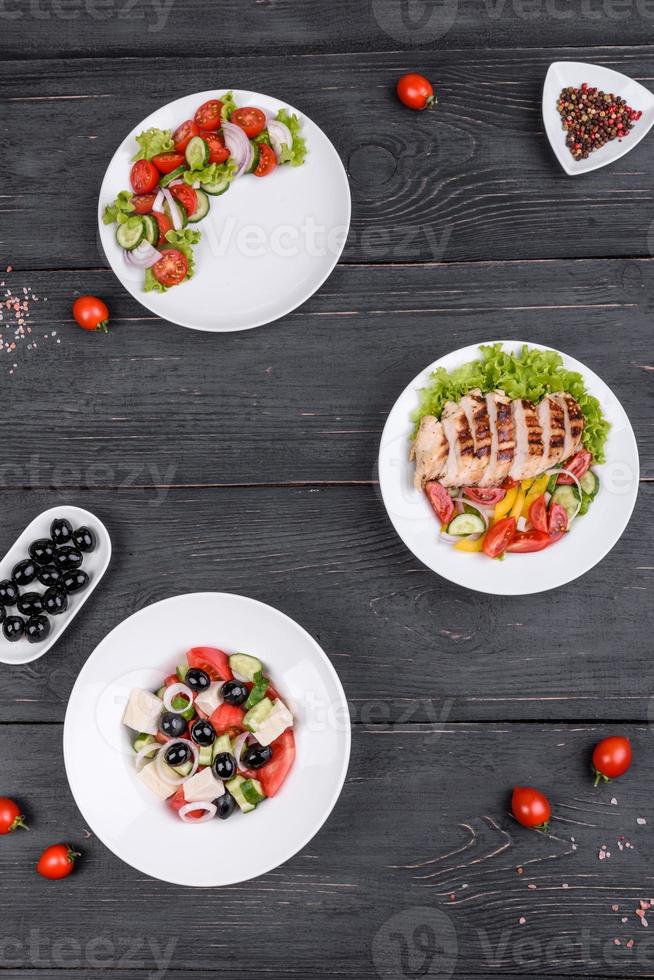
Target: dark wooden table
{"type": "Point", "coordinates": [246, 462]}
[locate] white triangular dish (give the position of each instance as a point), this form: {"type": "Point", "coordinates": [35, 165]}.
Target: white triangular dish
{"type": "Point", "coordinates": [564, 73]}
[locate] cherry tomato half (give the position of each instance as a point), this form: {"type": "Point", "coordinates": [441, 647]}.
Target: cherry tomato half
{"type": "Point", "coordinates": [526, 541]}
{"type": "Point", "coordinates": [166, 162]}
{"type": "Point", "coordinates": [440, 500]}
{"type": "Point", "coordinates": [10, 816]}
{"type": "Point", "coordinates": [538, 514]}
{"type": "Point", "coordinates": [252, 121]}
{"type": "Point", "coordinates": [415, 91]}
{"type": "Point", "coordinates": [144, 177]}
{"type": "Point", "coordinates": [57, 861]}
{"type": "Point", "coordinates": [611, 758]}
{"type": "Point", "coordinates": [499, 536]}
{"type": "Point", "coordinates": [184, 134]}
{"type": "Point", "coordinates": [481, 495]}
{"type": "Point", "coordinates": [91, 313]}
{"type": "Point", "coordinates": [267, 161]}
{"type": "Point", "coordinates": [578, 465]}
{"type": "Point", "coordinates": [171, 268]}
{"type": "Point", "coordinates": [218, 152]}
{"type": "Point", "coordinates": [186, 196]}
{"type": "Point", "coordinates": [531, 808]}
{"type": "Point", "coordinates": [143, 203]}
{"type": "Point", "coordinates": [165, 225]}
{"type": "Point", "coordinates": [209, 115]}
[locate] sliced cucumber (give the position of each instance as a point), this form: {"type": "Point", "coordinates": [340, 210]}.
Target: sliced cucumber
{"type": "Point", "coordinates": [217, 188]}
{"type": "Point", "coordinates": [222, 744]}
{"type": "Point", "coordinates": [464, 524]}
{"type": "Point", "coordinates": [255, 158]}
{"type": "Point", "coordinates": [252, 791]}
{"type": "Point", "coordinates": [173, 175]}
{"type": "Point", "coordinates": [181, 211]}
{"type": "Point", "coordinates": [245, 665]}
{"type": "Point", "coordinates": [197, 153]}
{"type": "Point", "coordinates": [185, 769]}
{"type": "Point", "coordinates": [178, 707]}
{"type": "Point", "coordinates": [142, 740]}
{"type": "Point", "coordinates": [182, 670]}
{"type": "Point", "coordinates": [235, 787]}
{"type": "Point", "coordinates": [160, 693]}
{"type": "Point", "coordinates": [258, 691]}
{"type": "Point", "coordinates": [151, 229]}
{"type": "Point", "coordinates": [257, 715]}
{"type": "Point", "coordinates": [205, 755]}
{"type": "Point", "coordinates": [202, 208]}
{"type": "Point", "coordinates": [568, 498]}
{"type": "Point", "coordinates": [590, 483]}
{"type": "Point", "coordinates": [131, 233]}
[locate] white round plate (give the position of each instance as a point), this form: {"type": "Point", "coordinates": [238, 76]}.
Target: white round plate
{"type": "Point", "coordinates": [590, 539]}
{"type": "Point", "coordinates": [143, 830]}
{"type": "Point", "coordinates": [267, 244]}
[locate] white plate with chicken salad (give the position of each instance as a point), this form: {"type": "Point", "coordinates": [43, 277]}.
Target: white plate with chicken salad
{"type": "Point", "coordinates": [224, 210]}
{"type": "Point", "coordinates": [207, 739]}
{"type": "Point", "coordinates": [508, 468]}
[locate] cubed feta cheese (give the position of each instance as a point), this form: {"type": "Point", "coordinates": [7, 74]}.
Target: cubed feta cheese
{"type": "Point", "coordinates": [210, 699]}
{"type": "Point", "coordinates": [279, 719]}
{"type": "Point", "coordinates": [203, 787]}
{"type": "Point", "coordinates": [143, 711]}
{"type": "Point", "coordinates": [150, 777]}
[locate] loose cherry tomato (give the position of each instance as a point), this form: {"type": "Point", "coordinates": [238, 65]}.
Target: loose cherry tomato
{"type": "Point", "coordinates": [171, 268]}
{"type": "Point", "coordinates": [611, 758]}
{"type": "Point", "coordinates": [252, 121]}
{"type": "Point", "coordinates": [531, 808]}
{"type": "Point", "coordinates": [440, 500]}
{"type": "Point", "coordinates": [143, 203]}
{"type": "Point", "coordinates": [538, 514]}
{"type": "Point", "coordinates": [267, 161]}
{"type": "Point", "coordinates": [209, 115]}
{"type": "Point", "coordinates": [165, 225]}
{"type": "Point", "coordinates": [558, 522]}
{"type": "Point", "coordinates": [166, 162]}
{"type": "Point", "coordinates": [578, 465]}
{"type": "Point", "coordinates": [91, 313]}
{"type": "Point", "coordinates": [144, 177]}
{"type": "Point", "coordinates": [218, 152]}
{"type": "Point", "coordinates": [57, 861]}
{"type": "Point", "coordinates": [10, 816]}
{"type": "Point", "coordinates": [415, 91]}
{"type": "Point", "coordinates": [184, 134]}
{"type": "Point", "coordinates": [481, 495]}
{"type": "Point", "coordinates": [526, 541]}
{"type": "Point", "coordinates": [186, 196]}
{"type": "Point", "coordinates": [499, 536]}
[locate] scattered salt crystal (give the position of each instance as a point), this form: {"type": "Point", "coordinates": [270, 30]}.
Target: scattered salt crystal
{"type": "Point", "coordinates": [531, 887]}
{"type": "Point", "coordinates": [615, 908]}
{"type": "Point", "coordinates": [644, 904]}
{"type": "Point", "coordinates": [10, 268]}
{"type": "Point", "coordinates": [616, 942]}
{"type": "Point", "coordinates": [630, 944]}
{"type": "Point", "coordinates": [520, 871]}
{"type": "Point", "coordinates": [565, 885]}
{"type": "Point", "coordinates": [522, 920]}
{"type": "Point", "coordinates": [614, 802]}
{"type": "Point", "coordinates": [623, 919]}
{"type": "Point", "coordinates": [640, 821]}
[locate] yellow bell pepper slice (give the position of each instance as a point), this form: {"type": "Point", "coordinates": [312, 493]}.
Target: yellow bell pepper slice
{"type": "Point", "coordinates": [468, 545]}
{"type": "Point", "coordinates": [519, 503]}
{"type": "Point", "coordinates": [539, 486]}
{"type": "Point", "coordinates": [505, 504]}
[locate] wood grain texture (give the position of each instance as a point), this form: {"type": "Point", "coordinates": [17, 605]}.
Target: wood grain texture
{"type": "Point", "coordinates": [408, 646]}
{"type": "Point", "coordinates": [305, 399]}
{"type": "Point", "coordinates": [473, 180]}
{"type": "Point", "coordinates": [456, 853]}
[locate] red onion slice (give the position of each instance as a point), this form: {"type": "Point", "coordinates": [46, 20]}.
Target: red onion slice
{"type": "Point", "coordinates": [238, 749]}
{"type": "Point", "coordinates": [174, 691]}
{"type": "Point", "coordinates": [239, 147]}
{"type": "Point", "coordinates": [280, 136]}
{"type": "Point", "coordinates": [144, 256]}
{"type": "Point", "coordinates": [142, 755]}
{"type": "Point", "coordinates": [158, 201]}
{"type": "Point", "coordinates": [162, 765]}
{"type": "Point", "coordinates": [175, 216]}
{"type": "Point", "coordinates": [209, 808]}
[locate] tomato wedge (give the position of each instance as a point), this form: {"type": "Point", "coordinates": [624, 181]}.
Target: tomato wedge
{"type": "Point", "coordinates": [227, 718]}
{"type": "Point", "coordinates": [538, 514]}
{"type": "Point", "coordinates": [252, 121]}
{"type": "Point", "coordinates": [273, 774]}
{"type": "Point", "coordinates": [165, 225]}
{"type": "Point", "coordinates": [578, 465]}
{"type": "Point", "coordinates": [186, 196]}
{"type": "Point", "coordinates": [143, 203]}
{"type": "Point", "coordinates": [481, 495]}
{"type": "Point", "coordinates": [213, 661]}
{"type": "Point", "coordinates": [144, 177]}
{"type": "Point", "coordinates": [218, 152]}
{"type": "Point", "coordinates": [171, 268]}
{"type": "Point", "coordinates": [184, 134]}
{"type": "Point", "coordinates": [170, 680]}
{"type": "Point", "coordinates": [165, 162]}
{"type": "Point", "coordinates": [179, 800]}
{"type": "Point", "coordinates": [440, 500]}
{"type": "Point", "coordinates": [499, 536]}
{"type": "Point", "coordinates": [209, 115]}
{"type": "Point", "coordinates": [558, 522]}
{"type": "Point", "coordinates": [267, 161]}
{"type": "Point", "coordinates": [525, 541]}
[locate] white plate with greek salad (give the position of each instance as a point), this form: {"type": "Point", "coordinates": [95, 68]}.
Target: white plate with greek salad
{"type": "Point", "coordinates": [224, 210]}
{"type": "Point", "coordinates": [508, 468]}
{"type": "Point", "coordinates": [219, 736]}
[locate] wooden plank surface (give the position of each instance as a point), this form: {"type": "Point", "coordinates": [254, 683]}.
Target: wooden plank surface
{"type": "Point", "coordinates": [473, 180]}
{"type": "Point", "coordinates": [304, 400]}
{"type": "Point", "coordinates": [469, 876]}
{"type": "Point", "coordinates": [408, 646]}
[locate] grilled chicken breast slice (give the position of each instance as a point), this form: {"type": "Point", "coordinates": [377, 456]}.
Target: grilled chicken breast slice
{"type": "Point", "coordinates": [474, 405]}
{"type": "Point", "coordinates": [461, 459]}
{"type": "Point", "coordinates": [528, 458]}
{"type": "Point", "coordinates": [430, 450]}
{"type": "Point", "coordinates": [552, 421]}
{"type": "Point", "coordinates": [502, 433]}
{"type": "Point", "coordinates": [574, 423]}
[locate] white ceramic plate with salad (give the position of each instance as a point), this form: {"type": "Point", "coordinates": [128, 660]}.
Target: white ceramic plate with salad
{"type": "Point", "coordinates": [142, 654]}
{"type": "Point", "coordinates": [267, 242]}
{"type": "Point", "coordinates": [466, 497]}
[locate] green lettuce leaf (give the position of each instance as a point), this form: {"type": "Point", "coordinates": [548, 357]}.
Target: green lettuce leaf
{"type": "Point", "coordinates": [530, 373]}
{"type": "Point", "coordinates": [296, 153]}
{"type": "Point", "coordinates": [211, 174]}
{"type": "Point", "coordinates": [153, 141]}
{"type": "Point", "coordinates": [120, 210]}
{"type": "Point", "coordinates": [228, 105]}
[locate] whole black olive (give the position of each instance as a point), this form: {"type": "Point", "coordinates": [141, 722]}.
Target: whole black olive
{"type": "Point", "coordinates": [225, 805]}
{"type": "Point", "coordinates": [68, 558]}
{"type": "Point", "coordinates": [37, 629]}
{"type": "Point", "coordinates": [84, 539]}
{"type": "Point", "coordinates": [49, 575]}
{"type": "Point", "coordinates": [61, 531]}
{"type": "Point", "coordinates": [74, 581]}
{"type": "Point", "coordinates": [13, 628]}
{"type": "Point", "coordinates": [256, 756]}
{"type": "Point", "coordinates": [31, 603]}
{"type": "Point", "coordinates": [172, 724]}
{"type": "Point", "coordinates": [55, 601]}
{"type": "Point", "coordinates": [177, 755]}
{"type": "Point", "coordinates": [197, 679]}
{"type": "Point", "coordinates": [203, 733]}
{"type": "Point", "coordinates": [224, 765]}
{"type": "Point", "coordinates": [234, 692]}
{"type": "Point", "coordinates": [24, 572]}
{"type": "Point", "coordinates": [8, 593]}
{"type": "Point", "coordinates": [42, 551]}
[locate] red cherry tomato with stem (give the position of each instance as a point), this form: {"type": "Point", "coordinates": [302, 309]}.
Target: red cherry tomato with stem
{"type": "Point", "coordinates": [10, 816]}
{"type": "Point", "coordinates": [611, 758]}
{"type": "Point", "coordinates": [57, 861]}
{"type": "Point", "coordinates": [531, 808]}
{"type": "Point", "coordinates": [90, 313]}
{"type": "Point", "coordinates": [415, 91]}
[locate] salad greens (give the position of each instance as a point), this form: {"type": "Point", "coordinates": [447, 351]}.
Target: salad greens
{"type": "Point", "coordinates": [213, 173]}
{"type": "Point", "coordinates": [229, 105]}
{"type": "Point", "coordinates": [153, 141]}
{"type": "Point", "coordinates": [296, 153]}
{"type": "Point", "coordinates": [529, 373]}
{"type": "Point", "coordinates": [120, 210]}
